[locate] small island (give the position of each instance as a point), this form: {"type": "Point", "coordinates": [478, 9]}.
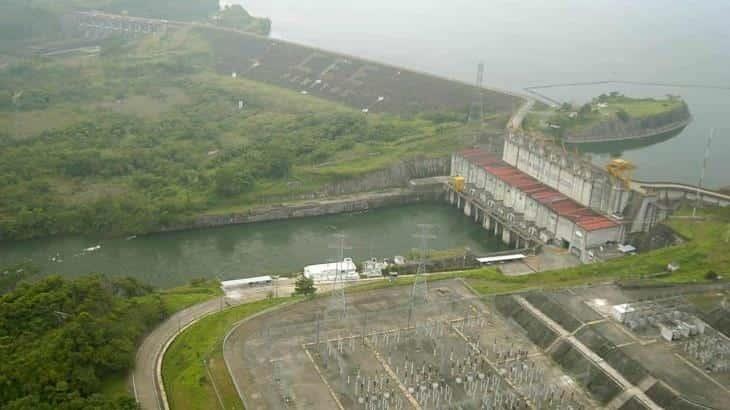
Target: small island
{"type": "Point", "coordinates": [611, 117]}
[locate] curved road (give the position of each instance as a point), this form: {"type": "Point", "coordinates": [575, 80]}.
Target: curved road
{"type": "Point", "coordinates": [147, 374]}
{"type": "Point", "coordinates": [149, 355]}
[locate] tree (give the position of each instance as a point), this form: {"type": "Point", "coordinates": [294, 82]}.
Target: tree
{"type": "Point", "coordinates": [304, 286]}
{"type": "Point", "coordinates": [231, 180]}
{"type": "Point", "coordinates": [585, 110]}
{"type": "Point", "coordinates": [623, 115]}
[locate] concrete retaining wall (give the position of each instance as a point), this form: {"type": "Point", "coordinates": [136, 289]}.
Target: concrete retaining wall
{"type": "Point", "coordinates": [396, 176]}
{"type": "Point", "coordinates": [358, 203]}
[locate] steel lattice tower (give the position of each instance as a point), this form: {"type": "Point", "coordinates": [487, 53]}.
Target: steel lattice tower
{"type": "Point", "coordinates": [419, 292]}
{"type": "Point", "coordinates": [338, 300]}
{"type": "Point", "coordinates": [476, 111]}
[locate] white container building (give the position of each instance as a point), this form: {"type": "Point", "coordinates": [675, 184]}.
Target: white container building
{"type": "Point", "coordinates": [328, 272]}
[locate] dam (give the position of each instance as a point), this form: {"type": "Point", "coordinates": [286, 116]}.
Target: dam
{"type": "Point", "coordinates": [538, 193]}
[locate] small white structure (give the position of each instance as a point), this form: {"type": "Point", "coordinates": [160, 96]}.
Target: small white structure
{"type": "Point", "coordinates": [669, 332]}
{"type": "Point", "coordinates": [373, 269]}
{"type": "Point", "coordinates": [328, 272]}
{"type": "Point", "coordinates": [626, 248]}
{"type": "Point", "coordinates": [228, 285]}
{"type": "Point", "coordinates": [501, 258]}
{"type": "Point", "coordinates": [619, 312]}
{"type": "Point", "coordinates": [399, 260]}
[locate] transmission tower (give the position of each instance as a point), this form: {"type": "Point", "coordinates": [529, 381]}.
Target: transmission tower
{"type": "Point", "coordinates": [338, 301]}
{"type": "Point", "coordinates": [702, 172]}
{"type": "Point", "coordinates": [419, 292]}
{"type": "Point", "coordinates": [476, 112]}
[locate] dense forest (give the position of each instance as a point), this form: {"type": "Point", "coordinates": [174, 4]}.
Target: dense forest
{"type": "Point", "coordinates": [145, 135]}
{"type": "Point", "coordinates": [61, 340]}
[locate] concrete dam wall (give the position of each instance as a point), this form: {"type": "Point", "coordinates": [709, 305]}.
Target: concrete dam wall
{"type": "Point", "coordinates": [353, 81]}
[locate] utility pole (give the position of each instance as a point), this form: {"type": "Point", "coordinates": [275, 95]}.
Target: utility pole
{"type": "Point", "coordinates": [702, 172]}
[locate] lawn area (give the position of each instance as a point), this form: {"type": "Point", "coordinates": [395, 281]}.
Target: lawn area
{"type": "Point", "coordinates": [641, 107]}
{"type": "Point", "coordinates": [181, 297]}
{"type": "Point", "coordinates": [605, 108]}
{"type": "Point", "coordinates": [187, 381]}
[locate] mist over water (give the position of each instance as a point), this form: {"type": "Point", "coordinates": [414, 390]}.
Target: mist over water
{"type": "Point", "coordinates": [533, 42]}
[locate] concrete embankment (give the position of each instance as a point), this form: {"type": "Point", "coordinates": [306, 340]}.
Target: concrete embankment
{"type": "Point", "coordinates": [352, 203]}
{"type": "Point", "coordinates": [615, 129]}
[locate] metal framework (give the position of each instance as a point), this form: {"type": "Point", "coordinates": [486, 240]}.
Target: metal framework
{"type": "Point", "coordinates": [476, 111]}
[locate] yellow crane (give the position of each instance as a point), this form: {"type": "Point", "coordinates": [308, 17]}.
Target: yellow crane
{"type": "Point", "coordinates": [622, 170]}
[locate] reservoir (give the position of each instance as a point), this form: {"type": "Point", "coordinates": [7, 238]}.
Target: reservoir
{"type": "Point", "coordinates": [535, 42]}
{"type": "Point", "coordinates": [237, 251]}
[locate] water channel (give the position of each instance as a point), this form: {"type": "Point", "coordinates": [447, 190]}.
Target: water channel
{"type": "Point", "coordinates": [174, 258]}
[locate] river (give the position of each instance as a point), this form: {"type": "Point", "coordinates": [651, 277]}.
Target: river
{"type": "Point", "coordinates": [536, 42]}
{"type": "Point", "coordinates": [237, 251]}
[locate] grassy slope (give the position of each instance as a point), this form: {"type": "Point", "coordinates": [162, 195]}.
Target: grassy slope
{"type": "Point", "coordinates": [181, 297]}
{"type": "Point", "coordinates": [642, 107]}
{"type": "Point", "coordinates": [635, 107]}
{"type": "Point", "coordinates": [169, 82]}
{"type": "Point", "coordinates": [186, 379]}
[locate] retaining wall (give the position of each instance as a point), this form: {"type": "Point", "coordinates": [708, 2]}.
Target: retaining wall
{"type": "Point", "coordinates": [359, 203]}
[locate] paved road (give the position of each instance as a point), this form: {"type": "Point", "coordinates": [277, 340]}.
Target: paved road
{"type": "Point", "coordinates": [516, 121]}
{"type": "Point", "coordinates": [144, 377]}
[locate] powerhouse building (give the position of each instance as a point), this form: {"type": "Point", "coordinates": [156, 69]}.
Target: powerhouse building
{"type": "Point", "coordinates": [526, 208]}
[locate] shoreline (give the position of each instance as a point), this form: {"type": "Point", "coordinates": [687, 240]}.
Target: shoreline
{"type": "Point", "coordinates": [654, 132]}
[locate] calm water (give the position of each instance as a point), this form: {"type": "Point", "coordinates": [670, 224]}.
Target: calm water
{"type": "Point", "coordinates": [248, 250]}
{"type": "Point", "coordinates": [537, 42]}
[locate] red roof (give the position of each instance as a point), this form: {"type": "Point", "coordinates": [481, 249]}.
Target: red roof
{"type": "Point", "coordinates": [584, 217]}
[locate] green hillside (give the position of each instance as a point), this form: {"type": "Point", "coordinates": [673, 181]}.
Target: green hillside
{"type": "Point", "coordinates": [147, 135]}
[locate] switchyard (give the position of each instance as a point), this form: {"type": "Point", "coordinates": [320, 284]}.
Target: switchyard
{"type": "Point", "coordinates": [445, 348]}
